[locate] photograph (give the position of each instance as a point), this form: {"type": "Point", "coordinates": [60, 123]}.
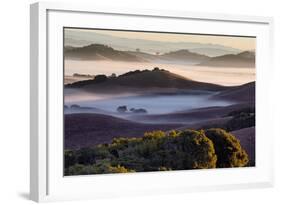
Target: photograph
{"type": "Point", "coordinates": [145, 101]}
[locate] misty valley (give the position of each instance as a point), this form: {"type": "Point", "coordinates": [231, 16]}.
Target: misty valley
{"type": "Point", "coordinates": [154, 103]}
{"type": "Point", "coordinates": [143, 105]}
{"type": "Point", "coordinates": [106, 108]}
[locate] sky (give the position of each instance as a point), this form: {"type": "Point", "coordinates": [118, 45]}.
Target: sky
{"type": "Point", "coordinates": [241, 43]}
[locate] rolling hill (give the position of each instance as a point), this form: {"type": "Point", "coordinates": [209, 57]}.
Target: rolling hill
{"type": "Point", "coordinates": [212, 52]}
{"type": "Point", "coordinates": [242, 93]}
{"type": "Point", "coordinates": [99, 52]}
{"type": "Point", "coordinates": [84, 130]}
{"type": "Point", "coordinates": [244, 59]}
{"type": "Point", "coordinates": [184, 55]}
{"type": "Point", "coordinates": [103, 52]}
{"type": "Point", "coordinates": [74, 37]}
{"type": "Point", "coordinates": [178, 56]}
{"type": "Point", "coordinates": [145, 80]}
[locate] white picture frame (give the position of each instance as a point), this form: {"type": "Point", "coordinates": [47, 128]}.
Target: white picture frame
{"type": "Point", "coordinates": [47, 182]}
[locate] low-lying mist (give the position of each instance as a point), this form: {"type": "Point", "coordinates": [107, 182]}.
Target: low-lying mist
{"type": "Point", "coordinates": [152, 104]}
{"type": "Point", "coordinates": [220, 75]}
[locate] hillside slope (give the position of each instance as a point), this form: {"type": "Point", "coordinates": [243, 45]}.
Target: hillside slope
{"type": "Point", "coordinates": [99, 52]}
{"type": "Point", "coordinates": [144, 80]}
{"type": "Point", "coordinates": [184, 55]}
{"type": "Point", "coordinates": [83, 130]}
{"type": "Point", "coordinates": [244, 59]}
{"type": "Point", "coordinates": [103, 52]}
{"type": "Point", "coordinates": [242, 93]}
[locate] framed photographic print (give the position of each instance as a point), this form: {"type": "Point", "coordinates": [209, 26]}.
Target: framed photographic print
{"type": "Point", "coordinates": [128, 101]}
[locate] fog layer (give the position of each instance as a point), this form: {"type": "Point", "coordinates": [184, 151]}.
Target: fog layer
{"type": "Point", "coordinates": [153, 104]}
{"type": "Point", "coordinates": [221, 75]}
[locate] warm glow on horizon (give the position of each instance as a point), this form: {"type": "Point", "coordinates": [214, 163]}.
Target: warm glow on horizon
{"type": "Point", "coordinates": [242, 43]}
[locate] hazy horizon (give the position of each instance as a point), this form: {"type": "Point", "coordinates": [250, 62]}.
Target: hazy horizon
{"type": "Point", "coordinates": [221, 76]}
{"type": "Point", "coordinates": [152, 42]}
{"type": "Point", "coordinates": [161, 43]}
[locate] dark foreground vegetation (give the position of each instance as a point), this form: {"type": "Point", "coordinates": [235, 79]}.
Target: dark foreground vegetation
{"type": "Point", "coordinates": [159, 151]}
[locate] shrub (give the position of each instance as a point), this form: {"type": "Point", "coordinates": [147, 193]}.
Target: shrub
{"type": "Point", "coordinates": [154, 135]}
{"type": "Point", "coordinates": [164, 169]}
{"type": "Point", "coordinates": [199, 150]}
{"type": "Point", "coordinates": [69, 158]}
{"type": "Point", "coordinates": [173, 133]}
{"type": "Point", "coordinates": [227, 148]}
{"type": "Point", "coordinates": [75, 106]}
{"type": "Point", "coordinates": [85, 156]}
{"type": "Point", "coordinates": [118, 169]}
{"type": "Point", "coordinates": [77, 169]}
{"type": "Point", "coordinates": [101, 152]}
{"type": "Point", "coordinates": [186, 150]}
{"type": "Point", "coordinates": [80, 169]}
{"type": "Point", "coordinates": [138, 111]}
{"type": "Point", "coordinates": [157, 150]}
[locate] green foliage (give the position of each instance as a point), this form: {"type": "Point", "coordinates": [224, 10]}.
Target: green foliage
{"type": "Point", "coordinates": [185, 150]}
{"type": "Point", "coordinates": [85, 156]}
{"type": "Point", "coordinates": [69, 158]}
{"type": "Point", "coordinates": [80, 169]}
{"type": "Point", "coordinates": [159, 151]}
{"type": "Point", "coordinates": [153, 135]}
{"type": "Point", "coordinates": [228, 149]}
{"type": "Point", "coordinates": [197, 146]}
{"type": "Point", "coordinates": [173, 133]}
{"type": "Point", "coordinates": [164, 169]}
{"type": "Point", "coordinates": [119, 169]}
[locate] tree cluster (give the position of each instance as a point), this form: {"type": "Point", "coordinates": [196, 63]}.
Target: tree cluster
{"type": "Point", "coordinates": [159, 151]}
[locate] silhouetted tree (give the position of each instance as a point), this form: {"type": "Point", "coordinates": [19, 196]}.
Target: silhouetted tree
{"type": "Point", "coordinates": [100, 78]}
{"type": "Point", "coordinates": [75, 106]}
{"type": "Point", "coordinates": [113, 75]}
{"type": "Point", "coordinates": [122, 109]}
